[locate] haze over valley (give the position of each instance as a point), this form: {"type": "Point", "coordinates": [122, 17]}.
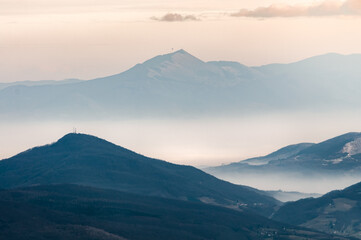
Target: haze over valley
{"type": "Point", "coordinates": [221, 126]}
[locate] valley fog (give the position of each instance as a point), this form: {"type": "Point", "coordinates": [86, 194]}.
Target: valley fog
{"type": "Point", "coordinates": [199, 142]}
{"type": "Point", "coordinates": [290, 182]}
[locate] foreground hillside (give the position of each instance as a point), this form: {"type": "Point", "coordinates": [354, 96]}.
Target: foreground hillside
{"type": "Point", "coordinates": [337, 212]}
{"type": "Point", "coordinates": [75, 212]}
{"type": "Point", "coordinates": [90, 161]}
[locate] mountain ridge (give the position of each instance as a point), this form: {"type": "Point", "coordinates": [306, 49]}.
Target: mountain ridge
{"type": "Point", "coordinates": [179, 84]}
{"type": "Point", "coordinates": [327, 150]}
{"type": "Point", "coordinates": [330, 164]}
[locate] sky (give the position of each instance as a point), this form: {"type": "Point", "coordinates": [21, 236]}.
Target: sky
{"type": "Point", "coordinates": [59, 39]}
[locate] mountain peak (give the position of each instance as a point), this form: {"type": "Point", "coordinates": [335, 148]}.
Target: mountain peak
{"type": "Point", "coordinates": [334, 146]}
{"type": "Point", "coordinates": [178, 52]}
{"type": "Point", "coordinates": [179, 57]}
{"type": "Point", "coordinates": [77, 137]}
{"type": "Point", "coordinates": [80, 141]}
{"type": "Point", "coordinates": [181, 51]}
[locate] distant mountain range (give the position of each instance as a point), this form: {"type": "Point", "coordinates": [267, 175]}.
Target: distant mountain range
{"type": "Point", "coordinates": [179, 84]}
{"type": "Point", "coordinates": [338, 156]}
{"type": "Point", "coordinates": [338, 212]}
{"type": "Point", "coordinates": [332, 161]}
{"type": "Point", "coordinates": [38, 83]}
{"type": "Point", "coordinates": [90, 161]}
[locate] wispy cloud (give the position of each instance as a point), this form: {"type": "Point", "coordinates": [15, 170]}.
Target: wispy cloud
{"type": "Point", "coordinates": [176, 17]}
{"type": "Point", "coordinates": [324, 8]}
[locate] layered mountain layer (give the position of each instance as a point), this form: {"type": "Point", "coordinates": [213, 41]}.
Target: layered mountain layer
{"type": "Point", "coordinates": [179, 84]}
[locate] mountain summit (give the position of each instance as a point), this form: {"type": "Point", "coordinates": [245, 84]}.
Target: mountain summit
{"type": "Point", "coordinates": [180, 58]}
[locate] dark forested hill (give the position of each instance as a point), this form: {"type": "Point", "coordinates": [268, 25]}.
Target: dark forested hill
{"type": "Point", "coordinates": [88, 160]}
{"type": "Point", "coordinates": [336, 212]}
{"type": "Point", "coordinates": [65, 212]}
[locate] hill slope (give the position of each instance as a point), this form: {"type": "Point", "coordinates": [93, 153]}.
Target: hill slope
{"type": "Point", "coordinates": [73, 212]}
{"type": "Point", "coordinates": [336, 212]}
{"type": "Point", "coordinates": [305, 167]}
{"type": "Point", "coordinates": [87, 160]}
{"type": "Point", "coordinates": [341, 155]}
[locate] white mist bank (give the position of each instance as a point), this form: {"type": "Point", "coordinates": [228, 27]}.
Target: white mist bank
{"type": "Point", "coordinates": [284, 182]}
{"type": "Point", "coordinates": [196, 142]}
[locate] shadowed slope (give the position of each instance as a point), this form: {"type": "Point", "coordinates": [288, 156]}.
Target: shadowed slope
{"type": "Point", "coordinates": [74, 212]}
{"type": "Point", "coordinates": [336, 212]}
{"type": "Point", "coordinates": [88, 160]}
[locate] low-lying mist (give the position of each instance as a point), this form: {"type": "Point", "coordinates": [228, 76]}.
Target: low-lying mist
{"type": "Point", "coordinates": [290, 182]}
{"type": "Point", "coordinates": [198, 142]}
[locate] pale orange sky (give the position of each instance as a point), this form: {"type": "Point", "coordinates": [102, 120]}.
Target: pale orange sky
{"type": "Point", "coordinates": [43, 39]}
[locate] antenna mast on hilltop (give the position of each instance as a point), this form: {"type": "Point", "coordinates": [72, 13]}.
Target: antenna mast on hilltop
{"type": "Point", "coordinates": [74, 130]}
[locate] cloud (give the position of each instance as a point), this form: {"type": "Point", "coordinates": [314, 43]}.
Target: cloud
{"type": "Point", "coordinates": [175, 17]}
{"type": "Point", "coordinates": [325, 8]}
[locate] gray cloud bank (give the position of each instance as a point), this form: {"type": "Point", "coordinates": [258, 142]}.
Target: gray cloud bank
{"type": "Point", "coordinates": [176, 17]}
{"type": "Point", "coordinates": [325, 8]}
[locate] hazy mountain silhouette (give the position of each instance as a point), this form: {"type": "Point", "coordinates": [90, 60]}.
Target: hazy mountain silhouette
{"type": "Point", "coordinates": [338, 156]}
{"type": "Point", "coordinates": [87, 160]}
{"type": "Point", "coordinates": [336, 212]}
{"type": "Point", "coordinates": [38, 83]}
{"type": "Point", "coordinates": [179, 84]}
{"type": "Point", "coordinates": [75, 212]}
